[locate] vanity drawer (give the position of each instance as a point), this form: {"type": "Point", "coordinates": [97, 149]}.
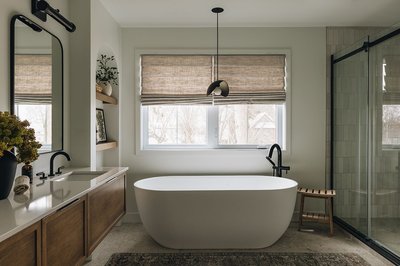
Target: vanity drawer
{"type": "Point", "coordinates": [64, 235]}
{"type": "Point", "coordinates": [23, 248]}
{"type": "Point", "coordinates": [106, 206]}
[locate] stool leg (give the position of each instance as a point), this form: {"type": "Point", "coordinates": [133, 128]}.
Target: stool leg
{"type": "Point", "coordinates": [301, 211]}
{"type": "Point", "coordinates": [330, 200]}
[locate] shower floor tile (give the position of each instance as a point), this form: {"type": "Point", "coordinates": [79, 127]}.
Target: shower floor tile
{"type": "Point", "coordinates": [384, 230]}
{"type": "Point", "coordinates": [387, 232]}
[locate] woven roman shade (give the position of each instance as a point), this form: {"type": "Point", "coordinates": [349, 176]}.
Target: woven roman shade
{"type": "Point", "coordinates": [175, 79]}
{"type": "Point", "coordinates": [253, 79]}
{"type": "Point", "coordinates": [184, 79]}
{"type": "Point", "coordinates": [33, 81]}
{"type": "Point", "coordinates": [391, 94]}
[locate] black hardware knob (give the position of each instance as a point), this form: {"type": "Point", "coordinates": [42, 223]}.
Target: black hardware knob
{"type": "Point", "coordinates": [42, 175]}
{"type": "Point", "coordinates": [59, 170]}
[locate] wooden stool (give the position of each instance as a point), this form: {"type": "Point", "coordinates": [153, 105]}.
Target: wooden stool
{"type": "Point", "coordinates": [326, 194]}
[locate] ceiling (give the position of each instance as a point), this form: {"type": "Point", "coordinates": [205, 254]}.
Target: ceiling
{"type": "Point", "coordinates": [254, 13]}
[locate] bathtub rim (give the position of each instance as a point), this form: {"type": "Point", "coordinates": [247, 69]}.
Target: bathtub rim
{"type": "Point", "coordinates": [137, 184]}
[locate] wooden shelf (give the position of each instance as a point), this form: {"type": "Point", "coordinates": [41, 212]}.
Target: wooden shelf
{"type": "Point", "coordinates": [106, 145]}
{"type": "Point", "coordinates": [106, 99]}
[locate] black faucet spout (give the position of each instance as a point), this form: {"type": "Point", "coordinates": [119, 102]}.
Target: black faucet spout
{"type": "Point", "coordinates": [279, 150]}
{"type": "Point", "coordinates": [52, 160]}
{"type": "Point", "coordinates": [277, 169]}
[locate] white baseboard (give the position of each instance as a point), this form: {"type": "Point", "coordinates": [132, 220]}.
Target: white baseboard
{"type": "Point", "coordinates": [131, 218]}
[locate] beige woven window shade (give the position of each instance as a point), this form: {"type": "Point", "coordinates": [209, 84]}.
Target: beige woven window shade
{"type": "Point", "coordinates": [253, 78]}
{"type": "Point", "coordinates": [175, 79]}
{"type": "Point", "coordinates": [33, 81]}
{"type": "Point", "coordinates": [184, 79]}
{"type": "Point", "coordinates": [391, 93]}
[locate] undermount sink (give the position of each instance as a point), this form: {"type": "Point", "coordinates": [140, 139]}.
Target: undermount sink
{"type": "Point", "coordinates": [92, 176]}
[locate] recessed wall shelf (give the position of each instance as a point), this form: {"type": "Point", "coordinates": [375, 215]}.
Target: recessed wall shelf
{"type": "Point", "coordinates": [106, 145]}
{"type": "Point", "coordinates": [106, 99]}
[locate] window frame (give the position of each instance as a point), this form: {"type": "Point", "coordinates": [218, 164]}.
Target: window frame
{"type": "Point", "coordinates": [141, 122]}
{"type": "Point", "coordinates": [212, 133]}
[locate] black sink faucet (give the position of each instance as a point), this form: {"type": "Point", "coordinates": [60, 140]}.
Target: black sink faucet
{"type": "Point", "coordinates": [277, 169]}
{"type": "Point", "coordinates": [52, 160]}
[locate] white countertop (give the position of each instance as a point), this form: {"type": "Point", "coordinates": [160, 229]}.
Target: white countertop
{"type": "Point", "coordinates": [17, 212]}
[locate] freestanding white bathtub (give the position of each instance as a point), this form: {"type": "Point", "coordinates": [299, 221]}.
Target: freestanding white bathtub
{"type": "Point", "coordinates": [216, 212]}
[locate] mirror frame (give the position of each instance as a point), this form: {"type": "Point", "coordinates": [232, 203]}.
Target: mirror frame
{"type": "Point", "coordinates": [32, 25]}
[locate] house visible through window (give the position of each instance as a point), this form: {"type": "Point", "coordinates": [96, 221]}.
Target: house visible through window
{"type": "Point", "coordinates": [176, 113]}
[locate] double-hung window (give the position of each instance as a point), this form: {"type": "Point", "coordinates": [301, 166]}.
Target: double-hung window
{"type": "Point", "coordinates": [177, 114]}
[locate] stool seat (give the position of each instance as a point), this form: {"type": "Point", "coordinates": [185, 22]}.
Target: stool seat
{"type": "Point", "coordinates": [317, 193]}
{"type": "Point", "coordinates": [326, 194]}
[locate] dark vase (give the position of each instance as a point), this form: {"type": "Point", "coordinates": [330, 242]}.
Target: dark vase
{"type": "Point", "coordinates": [8, 166]}
{"type": "Point", "coordinates": [27, 170]}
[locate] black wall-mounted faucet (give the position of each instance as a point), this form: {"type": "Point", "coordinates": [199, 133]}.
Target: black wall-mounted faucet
{"type": "Point", "coordinates": [52, 160]}
{"type": "Point", "coordinates": [277, 169]}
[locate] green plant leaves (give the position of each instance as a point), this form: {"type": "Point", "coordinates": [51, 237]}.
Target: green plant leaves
{"type": "Point", "coordinates": [15, 133]}
{"type": "Point", "coordinates": [105, 72]}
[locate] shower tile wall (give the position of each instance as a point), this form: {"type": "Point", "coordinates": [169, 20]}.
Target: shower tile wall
{"type": "Point", "coordinates": [386, 180]}
{"type": "Point", "coordinates": [347, 199]}
{"type": "Point", "coordinates": [351, 117]}
{"type": "Point", "coordinates": [337, 39]}
{"type": "Point", "coordinates": [385, 184]}
{"type": "Point", "coordinates": [366, 134]}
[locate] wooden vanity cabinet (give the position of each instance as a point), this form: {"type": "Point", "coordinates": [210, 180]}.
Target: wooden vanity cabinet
{"type": "Point", "coordinates": [106, 206]}
{"type": "Point", "coordinates": [23, 248]}
{"type": "Point", "coordinates": [70, 234]}
{"type": "Point", "coordinates": [64, 235]}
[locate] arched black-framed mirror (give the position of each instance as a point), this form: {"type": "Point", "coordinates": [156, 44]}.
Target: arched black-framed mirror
{"type": "Point", "coordinates": [37, 81]}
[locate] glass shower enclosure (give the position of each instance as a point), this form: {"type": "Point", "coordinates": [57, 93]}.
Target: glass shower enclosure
{"type": "Point", "coordinates": [365, 147]}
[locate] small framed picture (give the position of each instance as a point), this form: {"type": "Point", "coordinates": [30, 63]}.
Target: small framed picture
{"type": "Point", "coordinates": [101, 132]}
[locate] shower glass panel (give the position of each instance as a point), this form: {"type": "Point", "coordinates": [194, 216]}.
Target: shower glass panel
{"type": "Point", "coordinates": [385, 162]}
{"type": "Point", "coordinates": [366, 141]}
{"type": "Point", "coordinates": [350, 125]}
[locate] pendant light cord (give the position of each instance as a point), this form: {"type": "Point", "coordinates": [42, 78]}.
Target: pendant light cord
{"type": "Point", "coordinates": [217, 46]}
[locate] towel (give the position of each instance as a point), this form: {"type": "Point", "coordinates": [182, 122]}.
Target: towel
{"type": "Point", "coordinates": [21, 184]}
{"type": "Point", "coordinates": [22, 198]}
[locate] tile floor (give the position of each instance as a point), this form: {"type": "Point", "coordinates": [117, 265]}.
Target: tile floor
{"type": "Point", "coordinates": [133, 238]}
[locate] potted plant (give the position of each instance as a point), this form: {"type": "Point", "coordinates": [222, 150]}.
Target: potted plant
{"type": "Point", "coordinates": [14, 133]}
{"type": "Point", "coordinates": [105, 74]}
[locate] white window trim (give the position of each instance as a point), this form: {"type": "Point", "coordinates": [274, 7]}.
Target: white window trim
{"type": "Point", "coordinates": [139, 144]}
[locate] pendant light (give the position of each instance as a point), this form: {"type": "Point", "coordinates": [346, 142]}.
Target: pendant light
{"type": "Point", "coordinates": [218, 87]}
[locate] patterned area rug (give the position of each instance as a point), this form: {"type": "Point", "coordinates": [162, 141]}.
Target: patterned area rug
{"type": "Point", "coordinates": [234, 259]}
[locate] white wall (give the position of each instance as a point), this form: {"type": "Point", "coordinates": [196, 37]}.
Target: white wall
{"type": "Point", "coordinates": [96, 32]}
{"type": "Point", "coordinates": [81, 117]}
{"type": "Point", "coordinates": [308, 106]}
{"type": "Point", "coordinates": [7, 10]}
{"type": "Point", "coordinates": [106, 39]}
